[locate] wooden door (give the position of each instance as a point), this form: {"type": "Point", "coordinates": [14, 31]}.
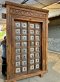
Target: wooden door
{"type": "Point", "coordinates": [27, 46]}
{"type": "Point", "coordinates": [26, 41]}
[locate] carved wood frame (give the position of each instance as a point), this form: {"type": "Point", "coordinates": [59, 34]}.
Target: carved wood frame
{"type": "Point", "coordinates": [20, 12]}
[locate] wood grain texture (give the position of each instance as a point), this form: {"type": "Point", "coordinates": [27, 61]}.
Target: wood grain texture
{"type": "Point", "coordinates": [16, 12]}
{"type": "Point", "coordinates": [25, 7]}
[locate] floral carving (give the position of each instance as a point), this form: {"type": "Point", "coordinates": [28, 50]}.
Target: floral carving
{"type": "Point", "coordinates": [28, 13]}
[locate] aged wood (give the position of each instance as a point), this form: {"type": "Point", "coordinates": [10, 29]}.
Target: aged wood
{"type": "Point", "coordinates": [27, 32]}
{"type": "Point", "coordinates": [26, 7]}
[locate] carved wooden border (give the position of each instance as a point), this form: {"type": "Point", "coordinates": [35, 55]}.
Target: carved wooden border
{"type": "Point", "coordinates": [20, 12]}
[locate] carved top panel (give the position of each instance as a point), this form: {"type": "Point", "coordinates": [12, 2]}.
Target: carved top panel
{"type": "Point", "coordinates": [27, 13]}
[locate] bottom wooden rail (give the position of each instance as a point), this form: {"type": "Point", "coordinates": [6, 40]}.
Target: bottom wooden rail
{"type": "Point", "coordinates": [18, 77]}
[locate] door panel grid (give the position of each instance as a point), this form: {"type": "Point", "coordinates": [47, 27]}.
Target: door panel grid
{"type": "Point", "coordinates": [23, 30]}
